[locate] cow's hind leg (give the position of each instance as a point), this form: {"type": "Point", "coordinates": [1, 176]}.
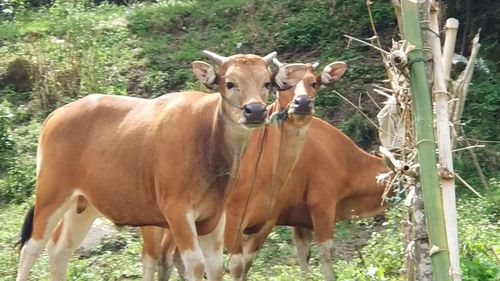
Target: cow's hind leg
{"type": "Point", "coordinates": [166, 262]}
{"type": "Point", "coordinates": [302, 239]}
{"type": "Point", "coordinates": [68, 235]}
{"type": "Point", "coordinates": [323, 222]}
{"type": "Point", "coordinates": [177, 260]}
{"type": "Point", "coordinates": [152, 237]}
{"type": "Point", "coordinates": [38, 227]}
{"type": "Point", "coordinates": [211, 245]}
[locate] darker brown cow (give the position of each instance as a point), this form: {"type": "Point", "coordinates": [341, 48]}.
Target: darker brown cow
{"type": "Point", "coordinates": [333, 180]}
{"type": "Point", "coordinates": [166, 162]}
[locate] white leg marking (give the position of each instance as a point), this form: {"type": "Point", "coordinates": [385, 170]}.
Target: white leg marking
{"type": "Point", "coordinates": [149, 265]}
{"type": "Point", "coordinates": [325, 253]}
{"type": "Point", "coordinates": [193, 259]}
{"type": "Point", "coordinates": [236, 267]}
{"type": "Point", "coordinates": [211, 246]}
{"type": "Point", "coordinates": [32, 249]}
{"type": "Point", "coordinates": [29, 253]}
{"type": "Point", "coordinates": [75, 228]}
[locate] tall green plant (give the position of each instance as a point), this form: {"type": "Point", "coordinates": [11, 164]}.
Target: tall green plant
{"type": "Point", "coordinates": [426, 144]}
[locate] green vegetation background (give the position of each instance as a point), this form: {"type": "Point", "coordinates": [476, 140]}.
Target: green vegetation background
{"type": "Point", "coordinates": [55, 51]}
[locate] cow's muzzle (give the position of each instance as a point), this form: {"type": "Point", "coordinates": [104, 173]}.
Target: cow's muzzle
{"type": "Point", "coordinates": [301, 105]}
{"type": "Point", "coordinates": [255, 113]}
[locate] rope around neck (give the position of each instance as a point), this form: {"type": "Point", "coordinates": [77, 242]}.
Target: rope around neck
{"type": "Point", "coordinates": [230, 102]}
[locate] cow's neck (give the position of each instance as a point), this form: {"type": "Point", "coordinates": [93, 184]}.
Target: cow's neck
{"type": "Point", "coordinates": [228, 141]}
{"type": "Point", "coordinates": [289, 138]}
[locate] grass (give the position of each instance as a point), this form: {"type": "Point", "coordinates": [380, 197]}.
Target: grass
{"type": "Point", "coordinates": [118, 257]}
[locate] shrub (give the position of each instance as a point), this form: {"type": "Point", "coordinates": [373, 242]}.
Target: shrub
{"type": "Point", "coordinates": [18, 182]}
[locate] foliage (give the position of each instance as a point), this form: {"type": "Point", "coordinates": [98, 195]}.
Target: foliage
{"type": "Point", "coordinates": [73, 48]}
{"type": "Point", "coordinates": [360, 130]}
{"type": "Point", "coordinates": [479, 238]}
{"type": "Point", "coordinates": [18, 183]}
{"type": "Point", "coordinates": [73, 51]}
{"type": "Point", "coordinates": [6, 142]}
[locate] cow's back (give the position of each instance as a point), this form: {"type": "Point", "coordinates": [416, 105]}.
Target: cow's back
{"type": "Point", "coordinates": [106, 147]}
{"type": "Point", "coordinates": [336, 171]}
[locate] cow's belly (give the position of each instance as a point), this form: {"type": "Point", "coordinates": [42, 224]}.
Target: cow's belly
{"type": "Point", "coordinates": [123, 200]}
{"type": "Point", "coordinates": [298, 216]}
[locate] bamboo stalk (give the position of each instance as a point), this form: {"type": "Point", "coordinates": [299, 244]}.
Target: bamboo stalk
{"type": "Point", "coordinates": [461, 87]}
{"type": "Point", "coordinates": [425, 141]}
{"type": "Point", "coordinates": [444, 143]}
{"type": "Point", "coordinates": [449, 46]}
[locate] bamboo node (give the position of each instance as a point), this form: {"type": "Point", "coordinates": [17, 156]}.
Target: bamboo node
{"type": "Point", "coordinates": [445, 173]}
{"type": "Point", "coordinates": [434, 250]}
{"type": "Point", "coordinates": [425, 140]}
{"type": "Point", "coordinates": [398, 59]}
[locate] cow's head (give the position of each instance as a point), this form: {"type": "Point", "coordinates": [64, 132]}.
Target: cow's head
{"type": "Point", "coordinates": [299, 100]}
{"type": "Point", "coordinates": [244, 82]}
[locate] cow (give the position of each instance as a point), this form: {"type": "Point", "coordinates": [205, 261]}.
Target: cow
{"type": "Point", "coordinates": [334, 180]}
{"type": "Point", "coordinates": [167, 162]}
{"type": "Point", "coordinates": [280, 148]}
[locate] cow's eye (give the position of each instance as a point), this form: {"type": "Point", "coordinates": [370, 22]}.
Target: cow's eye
{"type": "Point", "coordinates": [314, 85]}
{"type": "Point", "coordinates": [267, 85]}
{"type": "Point", "coordinates": [230, 85]}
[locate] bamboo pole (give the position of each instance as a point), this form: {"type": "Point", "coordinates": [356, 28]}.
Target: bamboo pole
{"type": "Point", "coordinates": [441, 98]}
{"type": "Point", "coordinates": [461, 86]}
{"type": "Point", "coordinates": [426, 146]}
{"type": "Point", "coordinates": [451, 28]}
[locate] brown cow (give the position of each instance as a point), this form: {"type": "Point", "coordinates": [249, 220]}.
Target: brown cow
{"type": "Point", "coordinates": [166, 162]}
{"type": "Point", "coordinates": [281, 147]}
{"type": "Point", "coordinates": [333, 180]}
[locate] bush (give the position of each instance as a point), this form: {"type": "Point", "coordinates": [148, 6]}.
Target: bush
{"type": "Point", "coordinates": [18, 182]}
{"type": "Point", "coordinates": [479, 237]}
{"type": "Point", "coordinates": [7, 148]}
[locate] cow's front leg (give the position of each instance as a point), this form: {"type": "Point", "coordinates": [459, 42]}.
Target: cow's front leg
{"type": "Point", "coordinates": [211, 245]}
{"type": "Point", "coordinates": [302, 239]}
{"type": "Point", "coordinates": [253, 245]}
{"type": "Point", "coordinates": [183, 228]}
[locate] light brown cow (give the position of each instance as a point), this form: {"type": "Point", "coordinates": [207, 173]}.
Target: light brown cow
{"type": "Point", "coordinates": [259, 186]}
{"type": "Point", "coordinates": [166, 162]}
{"type": "Point", "coordinates": [333, 180]}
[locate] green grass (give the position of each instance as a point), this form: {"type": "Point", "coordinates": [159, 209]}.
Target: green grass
{"type": "Point", "coordinates": [378, 257]}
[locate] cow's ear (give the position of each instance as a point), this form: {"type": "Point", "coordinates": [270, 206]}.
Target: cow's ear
{"type": "Point", "coordinates": [205, 74]}
{"type": "Point", "coordinates": [289, 75]}
{"type": "Point", "coordinates": [333, 72]}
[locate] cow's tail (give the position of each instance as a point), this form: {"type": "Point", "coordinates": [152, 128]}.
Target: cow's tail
{"type": "Point", "coordinates": [27, 228]}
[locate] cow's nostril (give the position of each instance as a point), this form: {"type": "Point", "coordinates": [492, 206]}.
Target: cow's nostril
{"type": "Point", "coordinates": [247, 109]}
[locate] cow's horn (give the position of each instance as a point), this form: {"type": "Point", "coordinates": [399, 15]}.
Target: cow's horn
{"type": "Point", "coordinates": [269, 57]}
{"type": "Point", "coordinates": [218, 59]}
{"type": "Point", "coordinates": [277, 62]}
{"type": "Point", "coordinates": [315, 65]}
